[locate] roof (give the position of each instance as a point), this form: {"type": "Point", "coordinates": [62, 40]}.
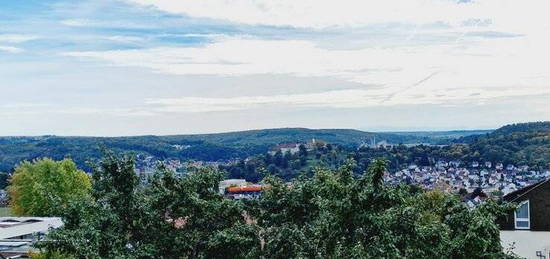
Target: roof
{"type": "Point", "coordinates": [513, 196]}
{"type": "Point", "coordinates": [9, 248]}
{"type": "Point", "coordinates": [250, 188]}
{"type": "Point", "coordinates": [11, 227]}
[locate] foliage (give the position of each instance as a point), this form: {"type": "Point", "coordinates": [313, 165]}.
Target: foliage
{"type": "Point", "coordinates": [4, 177]}
{"type": "Point", "coordinates": [169, 217]}
{"type": "Point", "coordinates": [338, 215]}
{"type": "Point", "coordinates": [46, 187]}
{"type": "Point", "coordinates": [518, 144]}
{"type": "Point", "coordinates": [287, 166]}
{"type": "Point", "coordinates": [332, 214]}
{"type": "Point", "coordinates": [50, 255]}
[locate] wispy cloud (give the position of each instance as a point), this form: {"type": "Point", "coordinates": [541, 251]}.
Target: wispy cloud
{"type": "Point", "coordinates": [107, 24]}
{"type": "Point", "coordinates": [11, 49]}
{"type": "Point", "coordinates": [338, 99]}
{"type": "Point", "coordinates": [79, 22]}
{"type": "Point", "coordinates": [479, 65]}
{"type": "Point", "coordinates": [56, 109]}
{"type": "Point", "coordinates": [17, 38]}
{"type": "Point", "coordinates": [356, 13]}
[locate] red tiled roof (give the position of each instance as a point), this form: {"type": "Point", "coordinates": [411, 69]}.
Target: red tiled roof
{"type": "Point", "coordinates": [251, 188]}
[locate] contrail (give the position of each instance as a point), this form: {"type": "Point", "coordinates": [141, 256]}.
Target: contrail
{"type": "Point", "coordinates": [411, 86]}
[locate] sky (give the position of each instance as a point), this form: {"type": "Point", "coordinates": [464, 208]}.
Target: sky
{"type": "Point", "coordinates": [140, 67]}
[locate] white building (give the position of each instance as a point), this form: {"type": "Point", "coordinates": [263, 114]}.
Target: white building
{"type": "Point", "coordinates": [285, 148]}
{"type": "Point", "coordinates": [18, 233]}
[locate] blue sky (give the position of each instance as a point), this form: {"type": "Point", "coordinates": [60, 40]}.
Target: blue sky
{"type": "Point", "coordinates": [134, 67]}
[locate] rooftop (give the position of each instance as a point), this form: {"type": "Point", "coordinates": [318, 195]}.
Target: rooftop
{"type": "Point", "coordinates": [14, 227]}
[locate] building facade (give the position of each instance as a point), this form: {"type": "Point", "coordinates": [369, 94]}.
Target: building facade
{"type": "Point", "coordinates": [527, 230]}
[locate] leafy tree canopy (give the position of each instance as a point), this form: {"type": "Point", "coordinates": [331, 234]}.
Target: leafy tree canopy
{"type": "Point", "coordinates": [45, 187]}
{"type": "Point", "coordinates": [334, 214]}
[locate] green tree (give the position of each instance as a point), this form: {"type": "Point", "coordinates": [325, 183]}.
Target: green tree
{"type": "Point", "coordinates": [332, 214]}
{"type": "Point", "coordinates": [278, 158]}
{"type": "Point", "coordinates": [170, 217]}
{"type": "Point", "coordinates": [340, 215]}
{"type": "Point", "coordinates": [45, 187]}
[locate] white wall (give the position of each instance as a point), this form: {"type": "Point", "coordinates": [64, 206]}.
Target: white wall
{"type": "Point", "coordinates": [526, 242]}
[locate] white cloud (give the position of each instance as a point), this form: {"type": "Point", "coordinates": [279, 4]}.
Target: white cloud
{"type": "Point", "coordinates": [506, 65]}
{"type": "Point", "coordinates": [78, 22]}
{"type": "Point", "coordinates": [16, 38]}
{"type": "Point", "coordinates": [15, 109]}
{"type": "Point", "coordinates": [336, 99]}
{"type": "Point", "coordinates": [106, 23]}
{"type": "Point", "coordinates": [353, 13]}
{"type": "Point", "coordinates": [125, 39]}
{"type": "Point", "coordinates": [461, 68]}
{"type": "Point", "coordinates": [11, 49]}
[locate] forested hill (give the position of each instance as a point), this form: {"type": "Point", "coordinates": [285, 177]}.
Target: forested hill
{"type": "Point", "coordinates": [520, 144]}
{"type": "Point", "coordinates": [206, 147]}
{"type": "Point", "coordinates": [526, 143]}
{"type": "Point", "coordinates": [541, 126]}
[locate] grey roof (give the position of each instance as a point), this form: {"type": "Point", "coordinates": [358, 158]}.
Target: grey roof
{"type": "Point", "coordinates": [12, 227]}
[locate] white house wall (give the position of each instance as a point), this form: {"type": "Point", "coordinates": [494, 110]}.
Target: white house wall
{"type": "Point", "coordinates": [527, 243]}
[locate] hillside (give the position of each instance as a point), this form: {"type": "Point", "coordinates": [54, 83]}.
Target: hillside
{"type": "Point", "coordinates": [519, 144]}
{"type": "Point", "coordinates": [443, 137]}
{"type": "Point", "coordinates": [526, 143]}
{"type": "Point", "coordinates": [346, 137]}
{"type": "Point", "coordinates": [207, 147]}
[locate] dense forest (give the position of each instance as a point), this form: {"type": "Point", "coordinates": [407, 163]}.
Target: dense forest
{"type": "Point", "coordinates": [204, 147]}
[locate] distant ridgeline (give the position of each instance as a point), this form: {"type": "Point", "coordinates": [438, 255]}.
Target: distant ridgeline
{"type": "Point", "coordinates": [520, 143]}
{"type": "Point", "coordinates": [204, 147]}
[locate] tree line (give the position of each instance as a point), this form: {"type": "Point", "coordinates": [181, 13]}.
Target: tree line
{"type": "Point", "coordinates": [333, 213]}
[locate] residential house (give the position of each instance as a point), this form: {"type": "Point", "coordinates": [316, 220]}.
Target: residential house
{"type": "Point", "coordinates": [223, 185]}
{"type": "Point", "coordinates": [244, 192]}
{"type": "Point", "coordinates": [527, 229]}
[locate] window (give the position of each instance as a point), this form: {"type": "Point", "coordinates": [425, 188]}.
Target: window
{"type": "Point", "coordinates": [522, 216]}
